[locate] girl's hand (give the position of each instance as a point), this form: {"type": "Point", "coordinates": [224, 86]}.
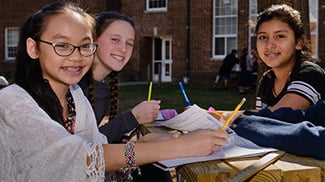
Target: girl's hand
{"type": "Point", "coordinates": [201, 142]}
{"type": "Point", "coordinates": [146, 112]}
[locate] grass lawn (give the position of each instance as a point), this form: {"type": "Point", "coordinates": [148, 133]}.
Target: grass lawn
{"type": "Point", "coordinates": [201, 94]}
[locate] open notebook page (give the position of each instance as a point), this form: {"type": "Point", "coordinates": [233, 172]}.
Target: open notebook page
{"type": "Point", "coordinates": [197, 118]}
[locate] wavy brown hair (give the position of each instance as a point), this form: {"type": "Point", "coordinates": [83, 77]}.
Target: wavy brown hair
{"type": "Point", "coordinates": [290, 16]}
{"type": "Point", "coordinates": [103, 21]}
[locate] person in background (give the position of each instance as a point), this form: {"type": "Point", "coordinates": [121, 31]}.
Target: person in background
{"type": "Point", "coordinates": [292, 80]}
{"type": "Point", "coordinates": [254, 58]}
{"type": "Point", "coordinates": [246, 65]}
{"type": "Point", "coordinates": [224, 72]}
{"type": "Point", "coordinates": [48, 127]}
{"type": "Point", "coordinates": [116, 38]}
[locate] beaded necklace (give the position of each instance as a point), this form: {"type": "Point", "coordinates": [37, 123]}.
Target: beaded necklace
{"type": "Point", "coordinates": [70, 121]}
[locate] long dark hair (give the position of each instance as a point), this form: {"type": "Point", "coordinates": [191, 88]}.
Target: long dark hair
{"type": "Point", "coordinates": [103, 21]}
{"type": "Point", "coordinates": [28, 73]}
{"type": "Point", "coordinates": [290, 16]}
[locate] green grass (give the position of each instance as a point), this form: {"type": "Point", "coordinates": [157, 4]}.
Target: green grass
{"type": "Point", "coordinates": [201, 94]}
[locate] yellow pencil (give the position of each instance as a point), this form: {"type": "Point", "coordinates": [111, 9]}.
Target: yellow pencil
{"type": "Point", "coordinates": [149, 92]}
{"type": "Point", "coordinates": [212, 110]}
{"type": "Point", "coordinates": [220, 114]}
{"type": "Point", "coordinates": [233, 114]}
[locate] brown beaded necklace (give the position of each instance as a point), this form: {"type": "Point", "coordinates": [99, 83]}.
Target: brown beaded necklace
{"type": "Point", "coordinates": [70, 121]}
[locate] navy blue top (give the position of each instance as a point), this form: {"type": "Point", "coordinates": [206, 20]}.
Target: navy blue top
{"type": "Point", "coordinates": [228, 63]}
{"type": "Point", "coordinates": [306, 79]}
{"type": "Point", "coordinates": [294, 131]}
{"type": "Point", "coordinates": [122, 123]}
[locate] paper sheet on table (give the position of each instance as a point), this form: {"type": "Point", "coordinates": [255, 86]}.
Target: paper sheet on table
{"type": "Point", "coordinates": [197, 118]}
{"type": "Point", "coordinates": [192, 119]}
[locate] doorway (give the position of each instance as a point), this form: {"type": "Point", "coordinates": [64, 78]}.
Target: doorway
{"type": "Point", "coordinates": [162, 59]}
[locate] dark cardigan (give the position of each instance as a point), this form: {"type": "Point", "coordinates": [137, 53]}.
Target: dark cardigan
{"type": "Point", "coordinates": [294, 131]}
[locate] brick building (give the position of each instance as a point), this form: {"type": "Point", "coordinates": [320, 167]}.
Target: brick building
{"type": "Point", "coordinates": [176, 40]}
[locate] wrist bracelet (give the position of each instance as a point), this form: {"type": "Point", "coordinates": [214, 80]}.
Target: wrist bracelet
{"type": "Point", "coordinates": [130, 160]}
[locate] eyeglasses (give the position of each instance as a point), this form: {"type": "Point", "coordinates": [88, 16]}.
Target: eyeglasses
{"type": "Point", "coordinates": [66, 49]}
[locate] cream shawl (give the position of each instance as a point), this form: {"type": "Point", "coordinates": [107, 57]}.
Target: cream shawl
{"type": "Point", "coordinates": [35, 148]}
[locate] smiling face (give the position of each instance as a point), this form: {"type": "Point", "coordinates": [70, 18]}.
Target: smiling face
{"type": "Point", "coordinates": [276, 44]}
{"type": "Point", "coordinates": [115, 47]}
{"type": "Point", "coordinates": [63, 71]}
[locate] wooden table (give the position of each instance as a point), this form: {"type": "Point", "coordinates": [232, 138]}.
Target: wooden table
{"type": "Point", "coordinates": [289, 168]}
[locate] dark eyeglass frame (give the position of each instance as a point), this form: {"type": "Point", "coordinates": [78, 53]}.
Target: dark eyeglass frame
{"type": "Point", "coordinates": [54, 45]}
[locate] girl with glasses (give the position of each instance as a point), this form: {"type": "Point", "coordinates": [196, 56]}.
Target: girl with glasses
{"type": "Point", "coordinates": [48, 128]}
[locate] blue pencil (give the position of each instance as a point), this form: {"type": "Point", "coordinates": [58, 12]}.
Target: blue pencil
{"type": "Point", "coordinates": [184, 93]}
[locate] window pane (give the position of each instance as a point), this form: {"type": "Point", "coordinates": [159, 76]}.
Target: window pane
{"type": "Point", "coordinates": [252, 17]}
{"type": "Point", "coordinates": [157, 49]}
{"type": "Point", "coordinates": [11, 39]}
{"type": "Point", "coordinates": [157, 68]}
{"type": "Point", "coordinates": [253, 6]}
{"type": "Point", "coordinates": [225, 7]}
{"type": "Point", "coordinates": [231, 44]}
{"type": "Point", "coordinates": [157, 3]}
{"type": "Point", "coordinates": [231, 25]}
{"type": "Point", "coordinates": [219, 48]}
{"type": "Point", "coordinates": [313, 25]}
{"type": "Point", "coordinates": [225, 26]}
{"type": "Point", "coordinates": [12, 36]}
{"type": "Point", "coordinates": [167, 70]}
{"type": "Point", "coordinates": [167, 50]}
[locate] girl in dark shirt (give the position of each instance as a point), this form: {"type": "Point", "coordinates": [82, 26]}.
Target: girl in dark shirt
{"type": "Point", "coordinates": [115, 37]}
{"type": "Point", "coordinates": [292, 81]}
{"type": "Point", "coordinates": [291, 94]}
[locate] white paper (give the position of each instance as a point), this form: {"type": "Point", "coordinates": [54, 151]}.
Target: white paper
{"type": "Point", "coordinates": [192, 119]}
{"type": "Point", "coordinates": [197, 118]}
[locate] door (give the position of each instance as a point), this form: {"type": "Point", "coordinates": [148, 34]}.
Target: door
{"type": "Point", "coordinates": [162, 59]}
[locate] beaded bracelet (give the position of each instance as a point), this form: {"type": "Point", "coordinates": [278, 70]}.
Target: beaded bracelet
{"type": "Point", "coordinates": [130, 160]}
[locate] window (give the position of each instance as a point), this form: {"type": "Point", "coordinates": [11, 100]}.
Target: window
{"type": "Point", "coordinates": [252, 24]}
{"type": "Point", "coordinates": [224, 27]}
{"type": "Point", "coordinates": [313, 25]}
{"type": "Point", "coordinates": [11, 42]}
{"type": "Point", "coordinates": [156, 5]}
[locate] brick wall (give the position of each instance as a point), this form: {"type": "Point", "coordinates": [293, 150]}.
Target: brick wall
{"type": "Point", "coordinates": [171, 23]}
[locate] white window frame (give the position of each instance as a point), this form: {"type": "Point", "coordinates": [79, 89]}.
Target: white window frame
{"type": "Point", "coordinates": [253, 9]}
{"type": "Point", "coordinates": [226, 36]}
{"type": "Point", "coordinates": [156, 9]}
{"type": "Point", "coordinates": [11, 41]}
{"type": "Point", "coordinates": [314, 17]}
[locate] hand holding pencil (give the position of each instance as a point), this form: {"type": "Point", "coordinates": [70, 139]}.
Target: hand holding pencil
{"type": "Point", "coordinates": [146, 111]}
{"type": "Point", "coordinates": [233, 114]}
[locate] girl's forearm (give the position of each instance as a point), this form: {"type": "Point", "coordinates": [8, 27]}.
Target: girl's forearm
{"type": "Point", "coordinates": [144, 153]}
